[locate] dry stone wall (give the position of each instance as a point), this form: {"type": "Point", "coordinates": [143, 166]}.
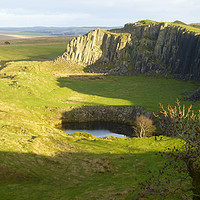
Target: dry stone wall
{"type": "Point", "coordinates": [119, 114]}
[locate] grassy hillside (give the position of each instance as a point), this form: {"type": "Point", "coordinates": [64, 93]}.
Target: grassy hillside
{"type": "Point", "coordinates": [38, 161]}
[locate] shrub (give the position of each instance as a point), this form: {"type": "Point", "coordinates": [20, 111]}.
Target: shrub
{"type": "Point", "coordinates": [182, 123]}
{"type": "Point", "coordinates": [144, 126]}
{"type": "Point", "coordinates": [182, 166]}
{"type": "Point", "coordinates": [6, 42]}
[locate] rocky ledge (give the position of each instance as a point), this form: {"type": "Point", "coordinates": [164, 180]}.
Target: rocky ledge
{"type": "Point", "coordinates": [138, 48]}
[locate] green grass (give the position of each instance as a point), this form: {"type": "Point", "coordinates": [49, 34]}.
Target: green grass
{"type": "Point", "coordinates": [176, 23]}
{"type": "Point", "coordinates": [41, 162]}
{"type": "Point", "coordinates": [38, 161]}
{"type": "Point", "coordinates": [196, 25]}
{"type": "Point", "coordinates": [188, 28]}
{"type": "Point", "coordinates": [33, 49]}
{"type": "Point", "coordinates": [145, 22]}
{"type": "Point", "coordinates": [77, 90]}
{"type": "Point", "coordinates": [66, 167]}
{"type": "Point", "coordinates": [42, 52]}
{"type": "Point", "coordinates": [138, 90]}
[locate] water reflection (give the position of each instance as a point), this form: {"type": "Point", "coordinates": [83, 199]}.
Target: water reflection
{"type": "Point", "coordinates": [98, 133]}
{"type": "Point", "coordinates": [100, 129]}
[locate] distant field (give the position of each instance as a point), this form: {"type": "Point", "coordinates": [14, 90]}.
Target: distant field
{"type": "Point", "coordinates": [7, 37]}
{"type": "Point", "coordinates": [10, 35]}
{"type": "Point", "coordinates": [38, 41]}
{"type": "Point", "coordinates": [29, 33]}
{"type": "Point", "coordinates": [39, 48]}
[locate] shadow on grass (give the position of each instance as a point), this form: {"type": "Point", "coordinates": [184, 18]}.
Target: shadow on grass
{"type": "Point", "coordinates": [136, 90]}
{"type": "Point", "coordinates": [69, 174]}
{"type": "Point", "coordinates": [99, 85]}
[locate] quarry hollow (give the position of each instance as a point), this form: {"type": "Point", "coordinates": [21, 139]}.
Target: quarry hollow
{"type": "Point", "coordinates": [102, 120]}
{"type": "Point", "coordinates": [100, 129]}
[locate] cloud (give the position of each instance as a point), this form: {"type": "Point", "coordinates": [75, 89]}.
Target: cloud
{"type": "Point", "coordinates": [19, 17]}
{"type": "Point", "coordinates": [95, 12]}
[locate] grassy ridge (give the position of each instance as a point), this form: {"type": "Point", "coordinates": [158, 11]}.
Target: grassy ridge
{"type": "Point", "coordinates": [192, 28]}
{"type": "Point", "coordinates": [38, 161]}
{"type": "Point", "coordinates": [188, 27]}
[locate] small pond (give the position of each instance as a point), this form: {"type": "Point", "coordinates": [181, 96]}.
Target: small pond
{"type": "Point", "coordinates": [99, 129]}
{"type": "Point", "coordinates": [98, 133]}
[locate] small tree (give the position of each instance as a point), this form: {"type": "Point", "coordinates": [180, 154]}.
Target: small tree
{"type": "Point", "coordinates": [6, 42]}
{"type": "Point", "coordinates": [182, 164]}
{"type": "Point", "coordinates": [183, 123]}
{"type": "Point", "coordinates": [144, 126]}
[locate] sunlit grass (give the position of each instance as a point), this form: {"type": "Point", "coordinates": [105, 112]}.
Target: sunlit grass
{"type": "Point", "coordinates": [38, 161]}
{"type": "Point", "coordinates": [33, 49]}
{"type": "Point", "coordinates": [41, 52]}
{"type": "Point", "coordinates": [188, 28]}
{"type": "Point", "coordinates": [67, 167]}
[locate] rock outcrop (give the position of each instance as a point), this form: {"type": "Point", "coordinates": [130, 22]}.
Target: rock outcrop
{"type": "Point", "coordinates": [195, 96]}
{"type": "Point", "coordinates": [138, 48]}
{"type": "Point", "coordinates": [99, 50]}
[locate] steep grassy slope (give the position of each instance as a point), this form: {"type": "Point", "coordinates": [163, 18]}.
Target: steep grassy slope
{"type": "Point", "coordinates": [38, 161]}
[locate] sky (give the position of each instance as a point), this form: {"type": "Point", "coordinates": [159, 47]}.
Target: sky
{"type": "Point", "coordinates": [67, 13]}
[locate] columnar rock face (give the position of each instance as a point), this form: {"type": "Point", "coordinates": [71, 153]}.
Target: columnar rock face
{"type": "Point", "coordinates": [98, 47]}
{"type": "Point", "coordinates": [138, 48]}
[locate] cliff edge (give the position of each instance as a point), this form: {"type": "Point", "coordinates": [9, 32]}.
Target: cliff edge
{"type": "Point", "coordinates": [142, 47]}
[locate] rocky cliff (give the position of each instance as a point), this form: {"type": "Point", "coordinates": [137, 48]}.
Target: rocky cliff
{"type": "Point", "coordinates": [138, 48]}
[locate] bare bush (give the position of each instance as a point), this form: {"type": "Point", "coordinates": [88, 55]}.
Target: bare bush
{"type": "Point", "coordinates": [144, 126]}
{"type": "Point", "coordinates": [182, 166]}
{"type": "Point", "coordinates": [182, 123]}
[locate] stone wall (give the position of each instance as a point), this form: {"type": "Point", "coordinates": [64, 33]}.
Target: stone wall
{"type": "Point", "coordinates": [119, 114]}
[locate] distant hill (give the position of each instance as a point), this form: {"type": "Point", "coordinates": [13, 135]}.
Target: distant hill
{"type": "Point", "coordinates": [179, 22]}
{"type": "Point", "coordinates": [50, 31]}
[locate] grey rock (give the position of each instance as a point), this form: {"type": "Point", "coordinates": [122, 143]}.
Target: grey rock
{"type": "Point", "coordinates": [158, 47]}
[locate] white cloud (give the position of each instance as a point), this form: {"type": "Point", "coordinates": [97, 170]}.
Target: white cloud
{"type": "Point", "coordinates": [95, 12]}
{"type": "Point", "coordinates": [23, 18]}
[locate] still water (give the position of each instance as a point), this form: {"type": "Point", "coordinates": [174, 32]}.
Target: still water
{"type": "Point", "coordinates": [99, 129]}
{"type": "Point", "coordinates": [98, 133]}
